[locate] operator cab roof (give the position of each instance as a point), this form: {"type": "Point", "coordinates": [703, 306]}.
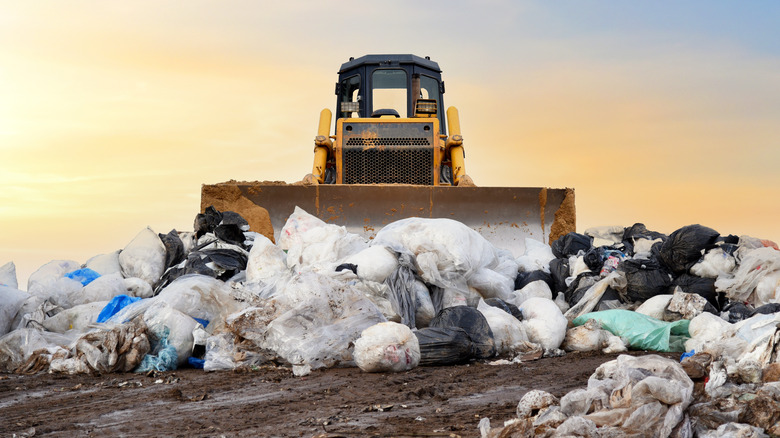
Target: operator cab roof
{"type": "Point", "coordinates": [390, 60]}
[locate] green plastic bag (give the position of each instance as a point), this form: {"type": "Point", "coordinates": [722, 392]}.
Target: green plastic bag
{"type": "Point", "coordinates": [641, 332]}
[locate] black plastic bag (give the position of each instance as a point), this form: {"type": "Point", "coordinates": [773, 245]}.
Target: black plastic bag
{"type": "Point", "coordinates": [767, 309]}
{"type": "Point", "coordinates": [444, 346]}
{"type": "Point", "coordinates": [506, 307]}
{"type": "Point", "coordinates": [576, 290]}
{"type": "Point", "coordinates": [685, 247]}
{"type": "Point", "coordinates": [571, 244]}
{"type": "Point", "coordinates": [559, 271]}
{"type": "Point", "coordinates": [473, 322]}
{"type": "Point", "coordinates": [645, 278]}
{"type": "Point", "coordinates": [735, 312]}
{"type": "Point", "coordinates": [174, 248]}
{"type": "Point", "coordinates": [700, 286]}
{"type": "Point", "coordinates": [402, 293]}
{"type": "Point", "coordinates": [207, 221]}
{"type": "Point", "coordinates": [231, 228]}
{"type": "Point", "coordinates": [523, 279]}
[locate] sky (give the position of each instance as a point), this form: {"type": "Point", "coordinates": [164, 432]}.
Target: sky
{"type": "Point", "coordinates": [112, 114]}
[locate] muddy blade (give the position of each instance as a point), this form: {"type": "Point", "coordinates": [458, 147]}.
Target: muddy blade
{"type": "Point", "coordinates": [503, 215]}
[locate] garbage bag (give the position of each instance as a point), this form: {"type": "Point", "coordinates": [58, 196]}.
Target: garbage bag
{"type": "Point", "coordinates": [639, 232]}
{"type": "Point", "coordinates": [544, 323]}
{"type": "Point", "coordinates": [173, 328]}
{"type": "Point", "coordinates": [735, 311]}
{"type": "Point", "coordinates": [645, 278]}
{"type": "Point", "coordinates": [319, 318]}
{"type": "Point", "coordinates": [201, 297]}
{"type": "Point", "coordinates": [144, 257]}
{"type": "Point", "coordinates": [571, 244]}
{"type": "Point", "coordinates": [639, 331]}
{"type": "Point", "coordinates": [506, 307]}
{"type": "Point", "coordinates": [162, 355]}
{"type": "Point", "coordinates": [591, 298]}
{"type": "Point", "coordinates": [402, 291]}
{"type": "Point", "coordinates": [444, 346]}
{"type": "Point", "coordinates": [174, 248]}
{"type": "Point", "coordinates": [424, 304]}
{"type": "Point", "coordinates": [387, 347]}
{"type": "Point", "coordinates": [104, 264]}
{"type": "Point", "coordinates": [509, 333]}
{"type": "Point", "coordinates": [207, 221]}
{"type": "Point", "coordinates": [77, 318]}
{"type": "Point", "coordinates": [47, 281]}
{"type": "Point", "coordinates": [473, 322]}
{"type": "Point", "coordinates": [103, 288]}
{"type": "Point", "coordinates": [232, 228]}
{"type": "Point", "coordinates": [685, 247]}
{"type": "Point", "coordinates": [449, 253]}
{"type": "Point", "coordinates": [536, 289]}
{"type": "Point", "coordinates": [591, 337]}
{"type": "Point", "coordinates": [309, 241]}
{"type": "Point", "coordinates": [524, 278]}
{"type": "Point", "coordinates": [755, 266]}
{"type": "Point", "coordinates": [18, 346]}
{"type": "Point", "coordinates": [114, 306]}
{"type": "Point", "coordinates": [654, 307]}
{"type": "Point", "coordinates": [11, 301]}
{"type": "Point", "coordinates": [8, 275]}
{"type": "Point", "coordinates": [704, 287]}
{"type": "Point", "coordinates": [537, 256]}
{"type": "Point", "coordinates": [265, 260]}
{"type": "Point", "coordinates": [716, 262]}
{"type": "Point", "coordinates": [374, 263]}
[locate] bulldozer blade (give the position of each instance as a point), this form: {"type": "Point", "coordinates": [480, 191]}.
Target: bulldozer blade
{"type": "Point", "coordinates": [505, 216]}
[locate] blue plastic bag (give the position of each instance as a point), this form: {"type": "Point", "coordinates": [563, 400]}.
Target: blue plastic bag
{"type": "Point", "coordinates": [639, 331]}
{"type": "Point", "coordinates": [164, 358]}
{"type": "Point", "coordinates": [115, 305]}
{"type": "Point", "coordinates": [84, 276]}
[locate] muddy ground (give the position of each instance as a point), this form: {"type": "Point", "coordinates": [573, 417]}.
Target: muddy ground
{"type": "Point", "coordinates": [270, 401]}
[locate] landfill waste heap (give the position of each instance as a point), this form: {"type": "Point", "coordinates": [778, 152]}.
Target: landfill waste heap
{"type": "Point", "coordinates": [429, 292]}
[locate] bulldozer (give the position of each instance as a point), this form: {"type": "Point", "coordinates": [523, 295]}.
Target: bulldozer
{"type": "Point", "coordinates": [396, 153]}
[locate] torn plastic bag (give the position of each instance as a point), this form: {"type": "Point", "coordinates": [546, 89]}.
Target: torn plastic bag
{"type": "Point", "coordinates": [544, 323]}
{"type": "Point", "coordinates": [537, 256]}
{"type": "Point", "coordinates": [387, 347]}
{"type": "Point", "coordinates": [174, 327]}
{"type": "Point", "coordinates": [448, 253]}
{"type": "Point", "coordinates": [309, 241]}
{"type": "Point", "coordinates": [144, 257]}
{"type": "Point", "coordinates": [686, 306]}
{"type": "Point", "coordinates": [571, 244]}
{"type": "Point", "coordinates": [231, 228]}
{"type": "Point", "coordinates": [591, 298]}
{"type": "Point", "coordinates": [716, 262]}
{"type": "Point", "coordinates": [654, 307]}
{"type": "Point", "coordinates": [104, 264]}
{"type": "Point", "coordinates": [524, 278]}
{"type": "Point", "coordinates": [704, 287]}
{"type": "Point", "coordinates": [8, 275]}
{"type": "Point", "coordinates": [18, 346]}
{"type": "Point", "coordinates": [77, 318]}
{"type": "Point", "coordinates": [647, 393]}
{"type": "Point", "coordinates": [202, 298]}
{"type": "Point", "coordinates": [444, 346]}
{"type": "Point", "coordinates": [591, 337]}
{"type": "Point", "coordinates": [402, 290]}
{"type": "Point", "coordinates": [641, 332]}
{"type": "Point", "coordinates": [508, 332]}
{"type": "Point", "coordinates": [207, 221]}
{"type": "Point", "coordinates": [685, 247]}
{"type": "Point", "coordinates": [754, 266]}
{"type": "Point", "coordinates": [559, 271]}
{"type": "Point", "coordinates": [319, 320]}
{"type": "Point", "coordinates": [118, 348]}
{"type": "Point", "coordinates": [103, 288]}
{"type": "Point", "coordinates": [162, 356]}
{"type": "Point", "coordinates": [645, 278]}
{"type": "Point", "coordinates": [473, 322]}
{"type": "Point", "coordinates": [265, 261]}
{"type": "Point", "coordinates": [11, 301]}
{"type": "Point", "coordinates": [506, 307]}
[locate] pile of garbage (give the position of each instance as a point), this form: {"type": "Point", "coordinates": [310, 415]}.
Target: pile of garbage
{"type": "Point", "coordinates": [428, 292]}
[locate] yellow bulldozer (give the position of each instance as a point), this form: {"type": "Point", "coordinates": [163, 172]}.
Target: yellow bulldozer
{"type": "Point", "coordinates": [396, 153]}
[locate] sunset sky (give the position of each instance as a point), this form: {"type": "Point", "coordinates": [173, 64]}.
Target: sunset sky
{"type": "Point", "coordinates": [112, 114]}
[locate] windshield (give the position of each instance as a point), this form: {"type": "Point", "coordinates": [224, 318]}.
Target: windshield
{"type": "Point", "coordinates": [389, 90]}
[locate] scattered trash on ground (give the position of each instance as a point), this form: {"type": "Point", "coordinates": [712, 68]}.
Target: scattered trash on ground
{"type": "Point", "coordinates": [428, 292]}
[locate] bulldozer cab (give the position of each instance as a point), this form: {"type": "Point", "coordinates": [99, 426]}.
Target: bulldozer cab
{"type": "Point", "coordinates": [401, 86]}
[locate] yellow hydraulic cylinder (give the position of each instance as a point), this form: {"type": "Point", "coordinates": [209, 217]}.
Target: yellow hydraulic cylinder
{"type": "Point", "coordinates": [322, 146]}
{"type": "Point", "coordinates": [454, 145]}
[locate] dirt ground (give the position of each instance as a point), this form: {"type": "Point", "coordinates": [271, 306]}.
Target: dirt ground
{"type": "Point", "coordinates": [270, 401]}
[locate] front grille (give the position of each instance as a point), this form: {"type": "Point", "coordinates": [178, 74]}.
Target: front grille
{"type": "Point", "coordinates": [388, 166]}
{"type": "Point", "coordinates": [388, 153]}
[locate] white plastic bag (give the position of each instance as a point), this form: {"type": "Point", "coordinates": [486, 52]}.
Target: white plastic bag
{"type": "Point", "coordinates": [387, 347]}
{"type": "Point", "coordinates": [538, 288]}
{"type": "Point", "coordinates": [162, 315]}
{"type": "Point", "coordinates": [715, 263]}
{"type": "Point", "coordinates": [374, 263]}
{"type": "Point", "coordinates": [508, 332]}
{"type": "Point", "coordinates": [11, 301]}
{"type": "Point", "coordinates": [266, 260]}
{"type": "Point", "coordinates": [544, 323]}
{"type": "Point", "coordinates": [201, 297]}
{"type": "Point", "coordinates": [144, 257]}
{"type": "Point", "coordinates": [755, 265]}
{"type": "Point", "coordinates": [43, 282]}
{"type": "Point", "coordinates": [537, 256]}
{"type": "Point", "coordinates": [654, 306]}
{"type": "Point", "coordinates": [102, 288]}
{"type": "Point", "coordinates": [8, 275]}
{"type": "Point", "coordinates": [309, 241]}
{"type": "Point", "coordinates": [105, 264]}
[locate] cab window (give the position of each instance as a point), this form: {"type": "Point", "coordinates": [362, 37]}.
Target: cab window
{"type": "Point", "coordinates": [389, 90]}
{"type": "Point", "coordinates": [350, 89]}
